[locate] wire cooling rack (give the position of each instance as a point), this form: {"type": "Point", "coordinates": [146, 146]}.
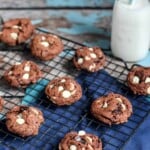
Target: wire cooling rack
{"type": "Point", "coordinates": [60, 120]}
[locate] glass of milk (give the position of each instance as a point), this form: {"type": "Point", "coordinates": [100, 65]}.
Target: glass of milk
{"type": "Point", "coordinates": [130, 37]}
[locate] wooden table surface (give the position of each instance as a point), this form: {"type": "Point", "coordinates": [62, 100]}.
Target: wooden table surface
{"type": "Point", "coordinates": [85, 21]}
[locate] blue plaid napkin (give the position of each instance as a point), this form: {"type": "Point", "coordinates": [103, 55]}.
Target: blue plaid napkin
{"type": "Point", "coordinates": [60, 120]}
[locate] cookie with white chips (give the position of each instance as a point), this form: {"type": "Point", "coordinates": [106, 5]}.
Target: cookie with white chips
{"type": "Point", "coordinates": [46, 46]}
{"type": "Point", "coordinates": [80, 141]}
{"type": "Point", "coordinates": [23, 74]}
{"type": "Point", "coordinates": [112, 109]}
{"type": "Point", "coordinates": [16, 31]}
{"type": "Point", "coordinates": [89, 59]}
{"type": "Point", "coordinates": [24, 121]}
{"type": "Point", "coordinates": [63, 91]}
{"type": "Point", "coordinates": [138, 80]}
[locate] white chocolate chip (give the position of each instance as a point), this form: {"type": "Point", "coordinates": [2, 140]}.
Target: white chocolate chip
{"type": "Point", "coordinates": [93, 55]}
{"type": "Point", "coordinates": [25, 76]}
{"type": "Point", "coordinates": [59, 147]}
{"type": "Point", "coordinates": [45, 44]}
{"type": "Point", "coordinates": [119, 99]}
{"type": "Point", "coordinates": [89, 139]}
{"type": "Point", "coordinates": [123, 107]}
{"type": "Point", "coordinates": [10, 73]}
{"type": "Point", "coordinates": [147, 80]}
{"type": "Point", "coordinates": [43, 38]}
{"type": "Point", "coordinates": [1, 32]}
{"type": "Point", "coordinates": [78, 138]}
{"type": "Point", "coordinates": [148, 90]}
{"type": "Point", "coordinates": [51, 86]}
{"type": "Point", "coordinates": [55, 36]}
{"type": "Point", "coordinates": [34, 110]}
{"type": "Point", "coordinates": [90, 147]}
{"type": "Point", "coordinates": [27, 68]}
{"type": "Point", "coordinates": [60, 88]}
{"type": "Point", "coordinates": [105, 105]}
{"type": "Point", "coordinates": [71, 87]}
{"type": "Point", "coordinates": [73, 92]}
{"type": "Point", "coordinates": [80, 61]}
{"type": "Point", "coordinates": [91, 49]}
{"type": "Point", "coordinates": [87, 58]}
{"type": "Point", "coordinates": [53, 97]}
{"type": "Point", "coordinates": [72, 147]}
{"type": "Point", "coordinates": [136, 80]}
{"type": "Point", "coordinates": [81, 133]}
{"type": "Point", "coordinates": [16, 27]}
{"type": "Point", "coordinates": [14, 35]}
{"type": "Point", "coordinates": [20, 121]}
{"type": "Point", "coordinates": [91, 67]}
{"type": "Point", "coordinates": [66, 94]}
{"type": "Point", "coordinates": [63, 80]}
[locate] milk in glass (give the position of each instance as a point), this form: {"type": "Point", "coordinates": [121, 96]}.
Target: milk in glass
{"type": "Point", "coordinates": [130, 37]}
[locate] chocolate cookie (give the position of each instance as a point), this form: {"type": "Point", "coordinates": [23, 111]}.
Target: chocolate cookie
{"type": "Point", "coordinates": [112, 109]}
{"type": "Point", "coordinates": [138, 80]}
{"type": "Point", "coordinates": [89, 59]}
{"type": "Point", "coordinates": [23, 74]}
{"type": "Point", "coordinates": [2, 102]}
{"type": "Point", "coordinates": [46, 46]}
{"type": "Point", "coordinates": [63, 91]}
{"type": "Point", "coordinates": [24, 121]}
{"type": "Point", "coordinates": [80, 141]}
{"type": "Point", "coordinates": [16, 31]}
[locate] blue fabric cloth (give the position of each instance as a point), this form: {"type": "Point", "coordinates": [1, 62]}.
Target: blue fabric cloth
{"type": "Point", "coordinates": [60, 120]}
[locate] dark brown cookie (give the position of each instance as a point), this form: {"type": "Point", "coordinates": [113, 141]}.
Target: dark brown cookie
{"type": "Point", "coordinates": [24, 121]}
{"type": "Point", "coordinates": [138, 80]}
{"type": "Point", "coordinates": [23, 74]}
{"type": "Point", "coordinates": [112, 109]}
{"type": "Point", "coordinates": [89, 59]}
{"type": "Point", "coordinates": [16, 31]}
{"type": "Point", "coordinates": [2, 102]}
{"type": "Point", "coordinates": [46, 46]}
{"type": "Point", "coordinates": [63, 91]}
{"type": "Point", "coordinates": [80, 141]}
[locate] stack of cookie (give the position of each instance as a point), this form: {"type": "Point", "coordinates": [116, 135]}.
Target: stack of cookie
{"type": "Point", "coordinates": [110, 109]}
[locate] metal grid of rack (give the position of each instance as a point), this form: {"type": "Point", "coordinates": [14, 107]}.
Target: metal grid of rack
{"type": "Point", "coordinates": [60, 120]}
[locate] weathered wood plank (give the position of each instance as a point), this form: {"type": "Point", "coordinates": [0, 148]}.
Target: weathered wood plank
{"type": "Point", "coordinates": [24, 3]}
{"type": "Point", "coordinates": [83, 3]}
{"type": "Point", "coordinates": [55, 3]}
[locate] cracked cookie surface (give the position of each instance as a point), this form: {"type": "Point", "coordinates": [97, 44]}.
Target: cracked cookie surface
{"type": "Point", "coordinates": [63, 91]}
{"type": "Point", "coordinates": [46, 46]}
{"type": "Point", "coordinates": [16, 31]}
{"type": "Point", "coordinates": [23, 74]}
{"type": "Point", "coordinates": [89, 59]}
{"type": "Point", "coordinates": [80, 141]}
{"type": "Point", "coordinates": [112, 109]}
{"type": "Point", "coordinates": [138, 80]}
{"type": "Point", "coordinates": [24, 121]}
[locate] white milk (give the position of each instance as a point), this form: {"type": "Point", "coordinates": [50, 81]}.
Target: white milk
{"type": "Point", "coordinates": [130, 38]}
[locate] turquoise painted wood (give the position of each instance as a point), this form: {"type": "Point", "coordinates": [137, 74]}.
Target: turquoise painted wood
{"type": "Point", "coordinates": [93, 24]}
{"type": "Point", "coordinates": [82, 3]}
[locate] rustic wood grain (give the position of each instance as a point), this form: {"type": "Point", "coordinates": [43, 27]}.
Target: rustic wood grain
{"type": "Point", "coordinates": [55, 3]}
